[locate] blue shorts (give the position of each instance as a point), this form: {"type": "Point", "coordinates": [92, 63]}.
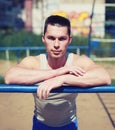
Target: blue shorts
{"type": "Point", "coordinates": [39, 126]}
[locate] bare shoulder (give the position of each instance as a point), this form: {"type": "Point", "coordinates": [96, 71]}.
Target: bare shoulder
{"type": "Point", "coordinates": [30, 62]}
{"type": "Point", "coordinates": [84, 62]}
{"type": "Point", "coordinates": [82, 58]}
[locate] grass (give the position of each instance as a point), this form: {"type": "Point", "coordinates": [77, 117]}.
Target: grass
{"type": "Point", "coordinates": [113, 81]}
{"type": "Point", "coordinates": [106, 62]}
{"type": "Point", "coordinates": [1, 79]}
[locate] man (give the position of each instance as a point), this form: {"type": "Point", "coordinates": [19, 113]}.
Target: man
{"type": "Point", "coordinates": [56, 111]}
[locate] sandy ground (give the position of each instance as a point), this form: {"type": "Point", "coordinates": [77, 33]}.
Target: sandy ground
{"type": "Point", "coordinates": [91, 114]}
{"type": "Point", "coordinates": [16, 110]}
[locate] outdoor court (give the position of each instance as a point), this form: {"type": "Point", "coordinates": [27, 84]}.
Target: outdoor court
{"type": "Point", "coordinates": [16, 109]}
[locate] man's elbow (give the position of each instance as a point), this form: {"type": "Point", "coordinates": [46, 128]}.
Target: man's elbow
{"type": "Point", "coordinates": [7, 79]}
{"type": "Point", "coordinates": [107, 79]}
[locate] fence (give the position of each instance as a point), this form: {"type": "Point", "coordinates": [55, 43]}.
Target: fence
{"type": "Point", "coordinates": [103, 47]}
{"type": "Point", "coordinates": [35, 48]}
{"type": "Point", "coordinates": [64, 89]}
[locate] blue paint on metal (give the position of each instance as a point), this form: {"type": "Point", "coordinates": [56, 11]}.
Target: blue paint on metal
{"type": "Point", "coordinates": [4, 88]}
{"type": "Point", "coordinates": [37, 48]}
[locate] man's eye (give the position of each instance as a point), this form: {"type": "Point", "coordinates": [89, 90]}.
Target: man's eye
{"type": "Point", "coordinates": [51, 38]}
{"type": "Point", "coordinates": [62, 38]}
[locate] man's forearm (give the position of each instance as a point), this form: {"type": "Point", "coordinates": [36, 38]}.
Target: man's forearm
{"type": "Point", "coordinates": [20, 75]}
{"type": "Point", "coordinates": [28, 76]}
{"type": "Point", "coordinates": [91, 78]}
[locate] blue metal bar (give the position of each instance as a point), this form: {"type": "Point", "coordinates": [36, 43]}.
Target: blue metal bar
{"type": "Point", "coordinates": [64, 89]}
{"type": "Point", "coordinates": [37, 48]}
{"type": "Point", "coordinates": [22, 48]}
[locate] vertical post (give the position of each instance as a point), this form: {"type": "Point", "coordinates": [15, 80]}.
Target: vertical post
{"type": "Point", "coordinates": [18, 55]}
{"type": "Point", "coordinates": [78, 51]}
{"type": "Point", "coordinates": [90, 29]}
{"type": "Point", "coordinates": [28, 10]}
{"type": "Point", "coordinates": [42, 14]}
{"type": "Point", "coordinates": [7, 54]}
{"type": "Point", "coordinates": [27, 52]}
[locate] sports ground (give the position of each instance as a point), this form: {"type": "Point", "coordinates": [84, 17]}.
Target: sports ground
{"type": "Point", "coordinates": [16, 109]}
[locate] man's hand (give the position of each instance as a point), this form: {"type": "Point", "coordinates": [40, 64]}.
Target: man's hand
{"type": "Point", "coordinates": [46, 86]}
{"type": "Point", "coordinates": [77, 71]}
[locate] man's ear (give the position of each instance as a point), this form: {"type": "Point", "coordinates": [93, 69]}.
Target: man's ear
{"type": "Point", "coordinates": [43, 38]}
{"type": "Point", "coordinates": [70, 39]}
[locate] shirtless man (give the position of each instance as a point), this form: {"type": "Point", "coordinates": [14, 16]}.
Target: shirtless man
{"type": "Point", "coordinates": [56, 111]}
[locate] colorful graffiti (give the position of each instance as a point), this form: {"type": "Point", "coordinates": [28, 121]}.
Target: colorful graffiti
{"type": "Point", "coordinates": [79, 21]}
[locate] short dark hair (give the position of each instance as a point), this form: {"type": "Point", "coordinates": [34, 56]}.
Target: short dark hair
{"type": "Point", "coordinates": [57, 20]}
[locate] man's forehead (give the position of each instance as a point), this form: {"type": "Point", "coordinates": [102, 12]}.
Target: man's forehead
{"type": "Point", "coordinates": [56, 26]}
{"type": "Point", "coordinates": [54, 30]}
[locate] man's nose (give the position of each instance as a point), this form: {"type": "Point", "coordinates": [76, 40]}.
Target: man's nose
{"type": "Point", "coordinates": [56, 44]}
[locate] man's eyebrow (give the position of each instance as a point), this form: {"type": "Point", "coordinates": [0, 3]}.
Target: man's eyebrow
{"type": "Point", "coordinates": [58, 37]}
{"type": "Point", "coordinates": [66, 36]}
{"type": "Point", "coordinates": [50, 36]}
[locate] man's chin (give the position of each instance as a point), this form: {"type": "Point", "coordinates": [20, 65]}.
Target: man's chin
{"type": "Point", "coordinates": [56, 55]}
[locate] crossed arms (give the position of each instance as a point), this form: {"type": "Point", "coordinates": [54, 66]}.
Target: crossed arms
{"type": "Point", "coordinates": [84, 75]}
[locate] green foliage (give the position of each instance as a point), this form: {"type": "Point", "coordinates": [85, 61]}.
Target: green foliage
{"type": "Point", "coordinates": [1, 79]}
{"type": "Point", "coordinates": [113, 81]}
{"type": "Point", "coordinates": [21, 38]}
{"type": "Point", "coordinates": [80, 40]}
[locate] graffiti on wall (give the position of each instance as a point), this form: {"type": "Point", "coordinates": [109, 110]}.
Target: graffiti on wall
{"type": "Point", "coordinates": [79, 21]}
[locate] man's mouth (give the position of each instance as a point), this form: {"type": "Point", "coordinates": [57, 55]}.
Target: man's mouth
{"type": "Point", "coordinates": [56, 52]}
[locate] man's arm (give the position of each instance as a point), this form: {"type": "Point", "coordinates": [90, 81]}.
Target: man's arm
{"type": "Point", "coordinates": [95, 75]}
{"type": "Point", "coordinates": [20, 75]}
{"type": "Point", "coordinates": [29, 72]}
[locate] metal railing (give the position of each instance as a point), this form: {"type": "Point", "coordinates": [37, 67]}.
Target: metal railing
{"type": "Point", "coordinates": [35, 48]}
{"type": "Point", "coordinates": [14, 88]}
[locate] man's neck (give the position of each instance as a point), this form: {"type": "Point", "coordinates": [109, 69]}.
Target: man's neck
{"type": "Point", "coordinates": [55, 63]}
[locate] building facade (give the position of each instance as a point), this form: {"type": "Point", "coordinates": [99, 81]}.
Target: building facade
{"type": "Point", "coordinates": [78, 13]}
{"type": "Point", "coordinates": [34, 12]}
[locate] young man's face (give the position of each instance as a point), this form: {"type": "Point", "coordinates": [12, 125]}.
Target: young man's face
{"type": "Point", "coordinates": [56, 40]}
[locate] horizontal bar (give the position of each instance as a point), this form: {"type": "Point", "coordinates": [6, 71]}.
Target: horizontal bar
{"type": "Point", "coordinates": [64, 89]}
{"type": "Point", "coordinates": [36, 48]}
